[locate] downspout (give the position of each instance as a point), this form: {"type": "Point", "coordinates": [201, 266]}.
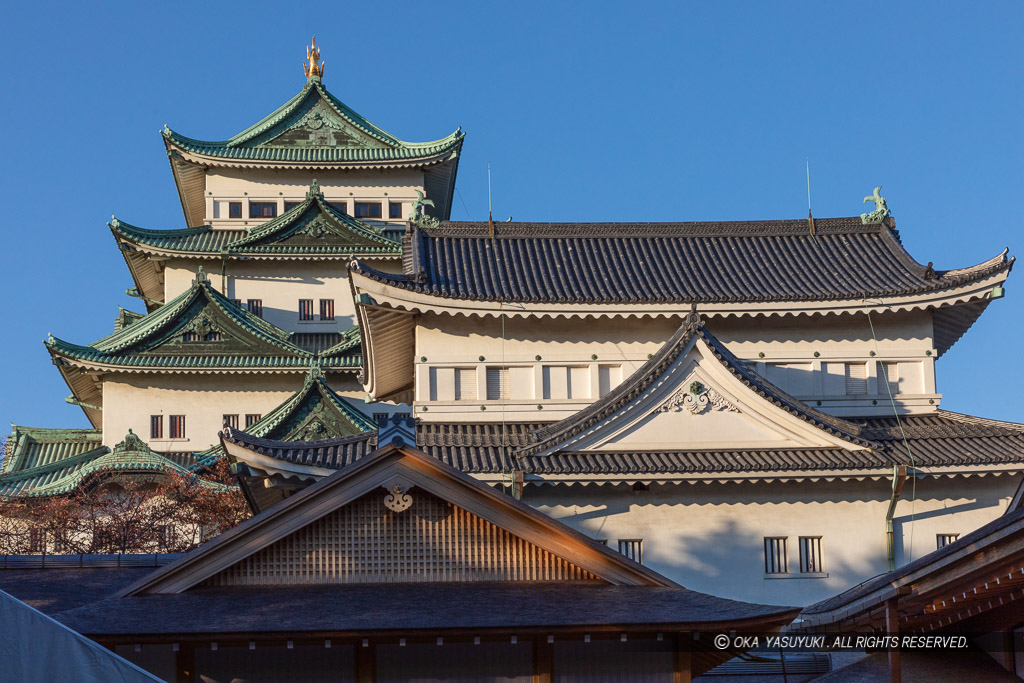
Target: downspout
{"type": "Point", "coordinates": [899, 478]}
{"type": "Point", "coordinates": [224, 272]}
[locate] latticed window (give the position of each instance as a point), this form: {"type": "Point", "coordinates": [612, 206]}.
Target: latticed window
{"type": "Point", "coordinates": [190, 336]}
{"type": "Point", "coordinates": [888, 374]}
{"type": "Point", "coordinates": [776, 555]}
{"type": "Point", "coordinates": [942, 540]}
{"type": "Point", "coordinates": [156, 426]}
{"type": "Point", "coordinates": [497, 384]}
{"type": "Point", "coordinates": [856, 379]}
{"type": "Point", "coordinates": [213, 337]}
{"type": "Point", "coordinates": [465, 384]}
{"type": "Point", "coordinates": [810, 555]}
{"type": "Point", "coordinates": [231, 421]}
{"type": "Point", "coordinates": [177, 427]}
{"type": "Point", "coordinates": [305, 309]}
{"type": "Point", "coordinates": [633, 548]}
{"type": "Point", "coordinates": [327, 309]}
{"type": "Point", "coordinates": [251, 419]}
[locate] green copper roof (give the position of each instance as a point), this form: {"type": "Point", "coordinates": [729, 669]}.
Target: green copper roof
{"type": "Point", "coordinates": [315, 126]}
{"type": "Point", "coordinates": [33, 447]}
{"type": "Point", "coordinates": [200, 329]}
{"type": "Point", "coordinates": [313, 227]}
{"type": "Point", "coordinates": [314, 413]}
{"type": "Point", "coordinates": [70, 465]}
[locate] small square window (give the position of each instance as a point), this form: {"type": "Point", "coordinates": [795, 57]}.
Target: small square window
{"type": "Point", "coordinates": [497, 384]}
{"type": "Point", "coordinates": [262, 209]}
{"type": "Point", "coordinates": [251, 419]}
{"type": "Point", "coordinates": [776, 555]}
{"type": "Point", "coordinates": [177, 426]}
{"type": "Point", "coordinates": [327, 309]}
{"type": "Point", "coordinates": [942, 540]}
{"type": "Point", "coordinates": [305, 309]}
{"type": "Point", "coordinates": [633, 548]}
{"type": "Point", "coordinates": [156, 426]}
{"type": "Point", "coordinates": [256, 307]}
{"type": "Point", "coordinates": [368, 210]}
{"type": "Point", "coordinates": [810, 555]}
{"type": "Point", "coordinates": [234, 209]}
{"type": "Point", "coordinates": [231, 421]}
{"type": "Point", "coordinates": [341, 206]}
{"type": "Point", "coordinates": [395, 210]}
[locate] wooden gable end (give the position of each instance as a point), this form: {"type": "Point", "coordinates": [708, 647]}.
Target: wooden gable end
{"type": "Point", "coordinates": [374, 540]}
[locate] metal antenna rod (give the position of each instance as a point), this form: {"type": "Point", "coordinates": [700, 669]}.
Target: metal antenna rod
{"type": "Point", "coordinates": [808, 160]}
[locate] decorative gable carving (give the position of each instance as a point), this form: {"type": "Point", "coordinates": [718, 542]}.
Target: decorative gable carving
{"type": "Point", "coordinates": [388, 536]}
{"type": "Point", "coordinates": [320, 126]}
{"type": "Point", "coordinates": [204, 330]}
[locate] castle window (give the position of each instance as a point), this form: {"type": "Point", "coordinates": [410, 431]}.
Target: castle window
{"type": "Point", "coordinates": [165, 534]}
{"type": "Point", "coordinates": [234, 209]}
{"type": "Point", "coordinates": [36, 541]}
{"type": "Point", "coordinates": [497, 384]}
{"type": "Point", "coordinates": [190, 336]}
{"type": "Point", "coordinates": [633, 548]}
{"type": "Point", "coordinates": [177, 427]}
{"type": "Point", "coordinates": [251, 419]}
{"type": "Point", "coordinates": [810, 555]}
{"type": "Point", "coordinates": [288, 206]}
{"type": "Point", "coordinates": [341, 206]}
{"type": "Point", "coordinates": [394, 210]}
{"type": "Point", "coordinates": [262, 209]}
{"type": "Point", "coordinates": [368, 210]}
{"type": "Point", "coordinates": [327, 309]}
{"type": "Point", "coordinates": [942, 540]}
{"type": "Point", "coordinates": [776, 555]}
{"type": "Point", "coordinates": [465, 384]}
{"type": "Point", "coordinates": [213, 337]}
{"type": "Point", "coordinates": [156, 426]}
{"type": "Point", "coordinates": [231, 421]}
{"type": "Point", "coordinates": [856, 379]}
{"type": "Point", "coordinates": [256, 307]}
{"type": "Point", "coordinates": [305, 309]}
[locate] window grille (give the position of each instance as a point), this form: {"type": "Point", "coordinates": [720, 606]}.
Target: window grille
{"type": "Point", "coordinates": [942, 540]}
{"type": "Point", "coordinates": [177, 426]}
{"type": "Point", "coordinates": [305, 309]}
{"type": "Point", "coordinates": [327, 309]}
{"type": "Point", "coordinates": [256, 307]}
{"type": "Point", "coordinates": [213, 337]}
{"type": "Point", "coordinates": [856, 379]}
{"type": "Point", "coordinates": [190, 336]}
{"type": "Point", "coordinates": [231, 421]}
{"type": "Point", "coordinates": [497, 384]}
{"type": "Point", "coordinates": [776, 555]}
{"type": "Point", "coordinates": [888, 372]}
{"type": "Point", "coordinates": [633, 548]}
{"type": "Point", "coordinates": [810, 555]}
{"type": "Point", "coordinates": [465, 384]}
{"type": "Point", "coordinates": [252, 419]}
{"type": "Point", "coordinates": [156, 426]}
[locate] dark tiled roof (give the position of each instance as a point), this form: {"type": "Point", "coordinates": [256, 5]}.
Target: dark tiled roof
{"type": "Point", "coordinates": [692, 328]}
{"type": "Point", "coordinates": [1013, 519]}
{"type": "Point", "coordinates": [408, 606]}
{"type": "Point", "coordinates": [330, 453]}
{"type": "Point", "coordinates": [669, 262]}
{"type": "Point", "coordinates": [53, 591]}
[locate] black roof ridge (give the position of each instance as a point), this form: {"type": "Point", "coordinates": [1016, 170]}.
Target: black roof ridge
{"type": "Point", "coordinates": [647, 373]}
{"type": "Point", "coordinates": [240, 437]}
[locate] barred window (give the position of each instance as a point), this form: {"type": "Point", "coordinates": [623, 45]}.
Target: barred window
{"type": "Point", "coordinates": [213, 337]}
{"type": "Point", "coordinates": [633, 548]}
{"type": "Point", "coordinates": [856, 379]}
{"type": "Point", "coordinates": [156, 426]}
{"type": "Point", "coordinates": [942, 540]}
{"type": "Point", "coordinates": [810, 555]}
{"type": "Point", "coordinates": [497, 384]}
{"type": "Point", "coordinates": [251, 419]}
{"type": "Point", "coordinates": [177, 427]}
{"type": "Point", "coordinates": [231, 421]}
{"type": "Point", "coordinates": [190, 336]}
{"type": "Point", "coordinates": [305, 309]}
{"type": "Point", "coordinates": [256, 307]}
{"type": "Point", "coordinates": [327, 309]}
{"type": "Point", "coordinates": [36, 541]}
{"type": "Point", "coordinates": [776, 555]}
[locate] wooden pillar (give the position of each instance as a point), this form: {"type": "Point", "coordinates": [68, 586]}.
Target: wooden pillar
{"type": "Point", "coordinates": [892, 628]}
{"type": "Point", "coordinates": [185, 663]}
{"type": "Point", "coordinates": [366, 662]}
{"type": "Point", "coordinates": [683, 660]}
{"type": "Point", "coordinates": [543, 660]}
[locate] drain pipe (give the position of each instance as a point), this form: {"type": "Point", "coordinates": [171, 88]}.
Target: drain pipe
{"type": "Point", "coordinates": [899, 478]}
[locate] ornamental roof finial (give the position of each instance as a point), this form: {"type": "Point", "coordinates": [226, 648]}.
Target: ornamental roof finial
{"type": "Point", "coordinates": [315, 67]}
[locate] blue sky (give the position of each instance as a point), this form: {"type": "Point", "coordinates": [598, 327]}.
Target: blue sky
{"type": "Point", "coordinates": [586, 111]}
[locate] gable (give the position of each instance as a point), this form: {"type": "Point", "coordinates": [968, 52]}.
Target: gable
{"type": "Point", "coordinates": [375, 539]}
{"type": "Point", "coordinates": [202, 329]}
{"type": "Point", "coordinates": [318, 125]}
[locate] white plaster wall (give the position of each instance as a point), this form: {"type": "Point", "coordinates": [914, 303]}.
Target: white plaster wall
{"type": "Point", "coordinates": [259, 185]}
{"type": "Point", "coordinates": [279, 284]}
{"type": "Point", "coordinates": [710, 536]}
{"type": "Point", "coordinates": [805, 357]}
{"type": "Point", "coordinates": [130, 400]}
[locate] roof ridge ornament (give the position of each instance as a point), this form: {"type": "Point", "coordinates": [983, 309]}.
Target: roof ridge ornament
{"type": "Point", "coordinates": [131, 444]}
{"type": "Point", "coordinates": [200, 277]}
{"type": "Point", "coordinates": [314, 190]}
{"type": "Point", "coordinates": [314, 70]}
{"type": "Point", "coordinates": [693, 321]}
{"type": "Point", "coordinates": [418, 214]}
{"type": "Point", "coordinates": [881, 210]}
